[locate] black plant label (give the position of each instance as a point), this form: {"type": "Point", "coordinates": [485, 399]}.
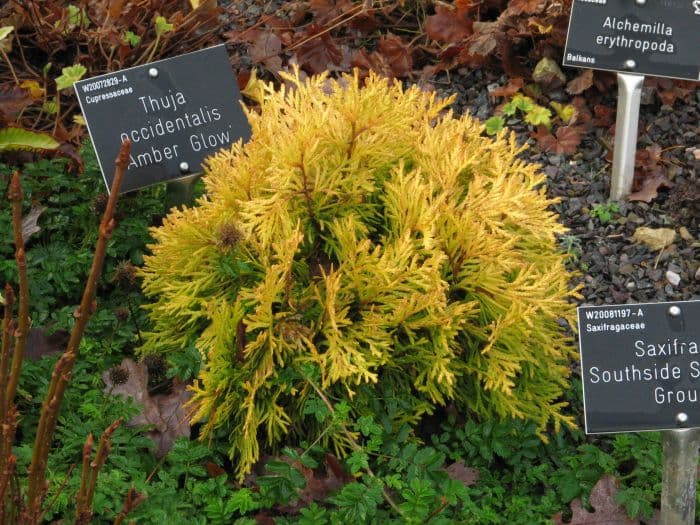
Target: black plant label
{"type": "Point", "coordinates": [175, 112]}
{"type": "Point", "coordinates": [640, 366]}
{"type": "Point", "coordinates": [647, 37]}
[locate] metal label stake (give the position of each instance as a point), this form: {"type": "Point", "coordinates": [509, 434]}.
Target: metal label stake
{"type": "Point", "coordinates": [179, 193]}
{"type": "Point", "coordinates": [629, 97]}
{"type": "Point", "coordinates": [680, 470]}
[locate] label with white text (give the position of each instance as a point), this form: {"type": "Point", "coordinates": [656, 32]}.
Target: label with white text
{"type": "Point", "coordinates": [656, 38]}
{"type": "Point", "coordinates": [640, 366]}
{"type": "Point", "coordinates": [175, 112]}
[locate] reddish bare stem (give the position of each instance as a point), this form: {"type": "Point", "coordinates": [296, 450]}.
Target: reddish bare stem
{"type": "Point", "coordinates": [7, 329]}
{"type": "Point", "coordinates": [7, 467]}
{"type": "Point", "coordinates": [7, 423]}
{"type": "Point", "coordinates": [84, 509]}
{"type": "Point", "coordinates": [22, 331]}
{"type": "Point", "coordinates": [84, 475]}
{"type": "Point", "coordinates": [61, 375]}
{"type": "Point", "coordinates": [133, 500]}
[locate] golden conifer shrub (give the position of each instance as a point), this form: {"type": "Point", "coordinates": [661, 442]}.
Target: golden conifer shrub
{"type": "Point", "coordinates": [368, 246]}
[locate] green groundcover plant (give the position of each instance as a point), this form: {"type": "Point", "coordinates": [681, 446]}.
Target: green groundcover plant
{"type": "Point", "coordinates": [363, 245]}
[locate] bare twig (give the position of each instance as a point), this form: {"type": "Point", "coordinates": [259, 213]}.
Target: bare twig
{"type": "Point", "coordinates": [5, 349]}
{"type": "Point", "coordinates": [57, 494]}
{"type": "Point", "coordinates": [358, 10]}
{"type": "Point", "coordinates": [22, 331]}
{"type": "Point", "coordinates": [89, 482]}
{"type": "Point", "coordinates": [7, 414]}
{"type": "Point", "coordinates": [9, 63]}
{"type": "Point", "coordinates": [36, 486]}
{"type": "Point", "coordinates": [7, 469]}
{"type": "Point", "coordinates": [84, 476]}
{"type": "Point", "coordinates": [133, 500]}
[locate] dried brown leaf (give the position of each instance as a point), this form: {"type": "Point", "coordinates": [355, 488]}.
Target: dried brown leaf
{"type": "Point", "coordinates": [648, 162]}
{"type": "Point", "coordinates": [511, 88]}
{"type": "Point", "coordinates": [374, 61]}
{"type": "Point", "coordinates": [276, 23]}
{"type": "Point", "coordinates": [602, 499]}
{"type": "Point", "coordinates": [397, 53]}
{"type": "Point", "coordinates": [460, 472]}
{"type": "Point", "coordinates": [320, 52]}
{"type": "Point", "coordinates": [581, 83]}
{"type": "Point", "coordinates": [565, 142]}
{"type": "Point", "coordinates": [361, 59]}
{"type": "Point", "coordinates": [568, 139]}
{"type": "Point", "coordinates": [214, 470]}
{"type": "Point", "coordinates": [29, 221]}
{"type": "Point", "coordinates": [320, 482]}
{"type": "Point", "coordinates": [654, 151]}
{"type": "Point", "coordinates": [448, 25]}
{"type": "Point", "coordinates": [668, 90]}
{"type": "Point", "coordinates": [604, 115]}
{"type": "Point", "coordinates": [485, 38]}
{"type": "Point", "coordinates": [115, 8]}
{"type": "Point", "coordinates": [265, 49]}
{"type": "Point", "coordinates": [172, 418]}
{"type": "Point", "coordinates": [71, 152]}
{"type": "Point", "coordinates": [655, 238]}
{"type": "Point", "coordinates": [135, 387]}
{"type": "Point", "coordinates": [166, 413]}
{"type": "Point", "coordinates": [263, 518]}
{"type": "Point", "coordinates": [651, 184]}
{"type": "Point", "coordinates": [40, 343]}
{"type": "Point", "coordinates": [528, 7]}
{"type": "Point", "coordinates": [364, 23]}
{"type": "Point", "coordinates": [582, 114]}
{"type": "Point", "coordinates": [13, 99]}
{"type": "Point", "coordinates": [328, 11]}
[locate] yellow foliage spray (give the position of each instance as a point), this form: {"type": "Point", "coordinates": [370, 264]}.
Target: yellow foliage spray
{"type": "Point", "coordinates": [366, 243]}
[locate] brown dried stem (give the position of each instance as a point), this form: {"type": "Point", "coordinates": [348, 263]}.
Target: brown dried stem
{"type": "Point", "coordinates": [15, 195]}
{"type": "Point", "coordinates": [9, 63]}
{"type": "Point", "coordinates": [7, 329]}
{"type": "Point", "coordinates": [7, 423]}
{"type": "Point", "coordinates": [36, 486]}
{"type": "Point", "coordinates": [133, 499]}
{"type": "Point", "coordinates": [7, 467]}
{"type": "Point", "coordinates": [57, 493]}
{"type": "Point", "coordinates": [84, 475]}
{"type": "Point", "coordinates": [88, 480]}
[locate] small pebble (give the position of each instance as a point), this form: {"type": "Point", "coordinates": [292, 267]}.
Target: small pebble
{"type": "Point", "coordinates": [673, 278]}
{"type": "Point", "coordinates": [626, 269]}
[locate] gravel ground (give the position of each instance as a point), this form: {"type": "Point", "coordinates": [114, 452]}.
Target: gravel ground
{"type": "Point", "coordinates": [615, 269]}
{"type": "Point", "coordinates": [612, 267]}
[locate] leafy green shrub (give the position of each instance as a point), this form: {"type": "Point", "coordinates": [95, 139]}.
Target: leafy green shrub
{"type": "Point", "coordinates": [364, 247]}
